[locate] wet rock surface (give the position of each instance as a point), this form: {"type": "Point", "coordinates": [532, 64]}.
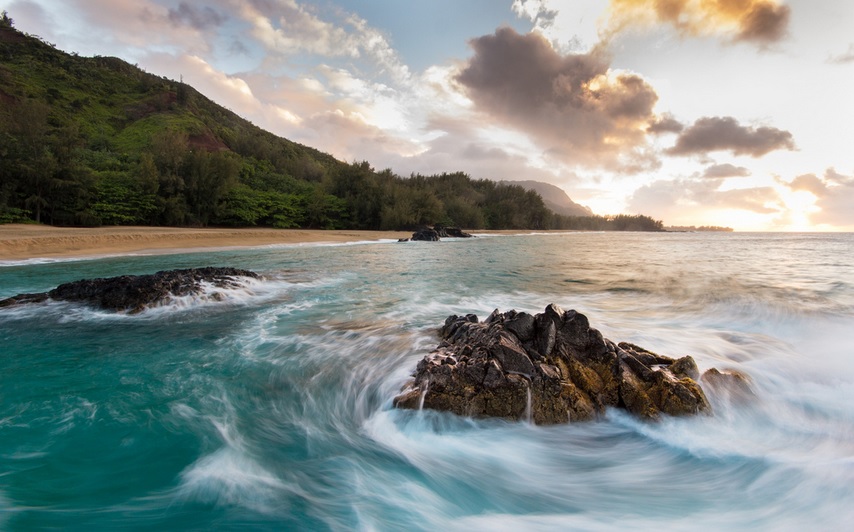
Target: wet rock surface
{"type": "Point", "coordinates": [552, 368]}
{"type": "Point", "coordinates": [134, 293]}
{"type": "Point", "coordinates": [438, 232]}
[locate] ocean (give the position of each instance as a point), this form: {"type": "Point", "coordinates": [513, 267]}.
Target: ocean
{"type": "Point", "coordinates": [272, 409]}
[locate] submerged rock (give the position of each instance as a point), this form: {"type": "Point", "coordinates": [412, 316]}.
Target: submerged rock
{"type": "Point", "coordinates": [134, 293]}
{"type": "Point", "coordinates": [549, 368]}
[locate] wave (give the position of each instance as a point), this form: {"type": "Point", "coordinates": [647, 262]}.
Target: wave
{"type": "Point", "coordinates": [37, 261]}
{"type": "Point", "coordinates": [272, 405]}
{"type": "Point", "coordinates": [231, 477]}
{"type": "Point", "coordinates": [245, 292]}
{"type": "Point", "coordinates": [327, 244]}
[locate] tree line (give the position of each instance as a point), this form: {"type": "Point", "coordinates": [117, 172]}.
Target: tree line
{"type": "Point", "coordinates": [51, 175]}
{"type": "Point", "coordinates": [97, 141]}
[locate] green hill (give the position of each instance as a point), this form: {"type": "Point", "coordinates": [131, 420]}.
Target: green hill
{"type": "Point", "coordinates": [82, 139]}
{"type": "Point", "coordinates": [97, 141]}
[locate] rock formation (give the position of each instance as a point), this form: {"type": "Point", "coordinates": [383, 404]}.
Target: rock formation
{"type": "Point", "coordinates": [437, 232]}
{"type": "Point", "coordinates": [549, 368]}
{"type": "Point", "coordinates": [425, 235]}
{"type": "Point", "coordinates": [134, 293]}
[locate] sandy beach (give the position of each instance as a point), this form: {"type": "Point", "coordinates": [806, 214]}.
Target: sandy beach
{"type": "Point", "coordinates": [23, 241]}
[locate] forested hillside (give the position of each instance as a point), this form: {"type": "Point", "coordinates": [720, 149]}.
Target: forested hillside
{"type": "Point", "coordinates": [97, 141]}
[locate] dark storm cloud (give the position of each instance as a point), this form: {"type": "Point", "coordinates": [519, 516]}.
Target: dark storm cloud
{"type": "Point", "coordinates": [721, 171]}
{"type": "Point", "coordinates": [726, 134]}
{"type": "Point", "coordinates": [572, 105]}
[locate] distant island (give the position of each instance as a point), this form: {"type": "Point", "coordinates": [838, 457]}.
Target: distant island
{"type": "Point", "coordinates": [96, 141]}
{"type": "Point", "coordinates": [694, 228]}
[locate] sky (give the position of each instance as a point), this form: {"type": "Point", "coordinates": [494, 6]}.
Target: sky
{"type": "Point", "coordinates": [734, 113]}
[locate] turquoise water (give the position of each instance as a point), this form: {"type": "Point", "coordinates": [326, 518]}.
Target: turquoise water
{"type": "Point", "coordinates": [272, 409]}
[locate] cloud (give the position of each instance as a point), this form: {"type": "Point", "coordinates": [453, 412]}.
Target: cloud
{"type": "Point", "coordinates": [349, 137]}
{"type": "Point", "coordinates": [537, 11]}
{"type": "Point", "coordinates": [460, 146]}
{"type": "Point", "coordinates": [832, 176]}
{"type": "Point", "coordinates": [726, 134]}
{"type": "Point", "coordinates": [230, 91]}
{"type": "Point", "coordinates": [665, 124]}
{"type": "Point", "coordinates": [199, 18]}
{"type": "Point", "coordinates": [810, 183]}
{"type": "Point", "coordinates": [843, 58]}
{"type": "Point", "coordinates": [834, 194]}
{"type": "Point", "coordinates": [574, 106]}
{"type": "Point", "coordinates": [762, 200]}
{"type": "Point", "coordinates": [762, 22]}
{"type": "Point", "coordinates": [288, 28]}
{"type": "Point", "coordinates": [144, 23]}
{"type": "Point", "coordinates": [569, 26]}
{"type": "Point", "coordinates": [682, 200]}
{"type": "Point", "coordinates": [335, 112]}
{"type": "Point", "coordinates": [720, 171]}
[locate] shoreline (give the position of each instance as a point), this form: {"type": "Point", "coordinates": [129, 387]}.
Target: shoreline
{"type": "Point", "coordinates": [22, 242]}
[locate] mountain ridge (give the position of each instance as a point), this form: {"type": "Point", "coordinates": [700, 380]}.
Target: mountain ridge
{"type": "Point", "coordinates": [554, 197]}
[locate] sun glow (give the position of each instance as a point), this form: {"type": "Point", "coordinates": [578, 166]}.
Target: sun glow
{"type": "Point", "coordinates": [800, 205]}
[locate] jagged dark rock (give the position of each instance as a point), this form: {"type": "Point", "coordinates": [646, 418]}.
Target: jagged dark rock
{"type": "Point", "coordinates": [552, 368]}
{"type": "Point", "coordinates": [438, 232]}
{"type": "Point", "coordinates": [134, 293]}
{"type": "Point", "coordinates": [425, 235]}
{"type": "Point", "coordinates": [451, 232]}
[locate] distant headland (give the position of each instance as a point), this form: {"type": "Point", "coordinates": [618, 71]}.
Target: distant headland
{"type": "Point", "coordinates": [694, 228]}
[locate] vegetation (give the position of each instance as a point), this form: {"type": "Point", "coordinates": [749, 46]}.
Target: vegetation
{"type": "Point", "coordinates": [702, 228]}
{"type": "Point", "coordinates": [97, 141]}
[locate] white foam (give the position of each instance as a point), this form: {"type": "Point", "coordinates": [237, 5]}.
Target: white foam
{"type": "Point", "coordinates": [246, 292]}
{"type": "Point", "coordinates": [43, 260]}
{"type": "Point", "coordinates": [232, 477]}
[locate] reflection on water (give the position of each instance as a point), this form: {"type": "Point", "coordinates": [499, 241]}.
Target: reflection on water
{"type": "Point", "coordinates": [272, 409]}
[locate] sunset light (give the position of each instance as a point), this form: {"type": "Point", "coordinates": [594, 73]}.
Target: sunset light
{"type": "Point", "coordinates": [606, 99]}
{"type": "Point", "coordinates": [427, 265]}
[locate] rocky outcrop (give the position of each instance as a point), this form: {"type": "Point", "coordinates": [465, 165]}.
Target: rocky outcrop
{"type": "Point", "coordinates": [548, 368]}
{"type": "Point", "coordinates": [134, 293]}
{"type": "Point", "coordinates": [451, 232]}
{"type": "Point", "coordinates": [425, 235]}
{"type": "Point", "coordinates": [438, 232]}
